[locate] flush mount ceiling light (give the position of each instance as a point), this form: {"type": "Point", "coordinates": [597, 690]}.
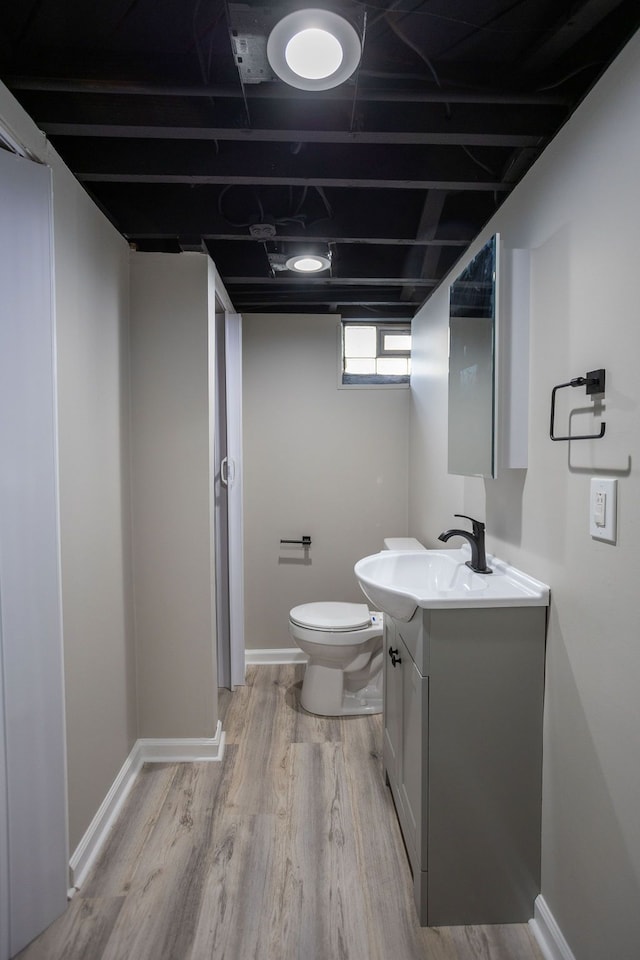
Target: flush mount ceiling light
{"type": "Point", "coordinates": [313, 49]}
{"type": "Point", "coordinates": [308, 263]}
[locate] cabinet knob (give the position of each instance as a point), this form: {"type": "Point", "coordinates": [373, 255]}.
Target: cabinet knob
{"type": "Point", "coordinates": [394, 656]}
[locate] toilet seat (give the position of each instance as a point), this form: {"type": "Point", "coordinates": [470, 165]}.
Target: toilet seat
{"type": "Point", "coordinates": [343, 644]}
{"type": "Point", "coordinates": [331, 617]}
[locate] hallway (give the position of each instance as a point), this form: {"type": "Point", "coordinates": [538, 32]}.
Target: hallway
{"type": "Point", "coordinates": [287, 850]}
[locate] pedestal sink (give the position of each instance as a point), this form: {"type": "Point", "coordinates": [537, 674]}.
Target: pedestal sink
{"type": "Point", "coordinates": [397, 582]}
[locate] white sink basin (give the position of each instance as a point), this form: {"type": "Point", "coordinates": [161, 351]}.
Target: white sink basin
{"type": "Point", "coordinates": [397, 582]}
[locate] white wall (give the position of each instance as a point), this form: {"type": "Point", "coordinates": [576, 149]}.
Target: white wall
{"type": "Point", "coordinates": [91, 283]}
{"type": "Point", "coordinates": [318, 460]}
{"type": "Point", "coordinates": [578, 211]}
{"type": "Point", "coordinates": [173, 573]}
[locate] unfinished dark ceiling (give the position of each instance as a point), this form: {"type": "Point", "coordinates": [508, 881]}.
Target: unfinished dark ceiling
{"type": "Point", "coordinates": [154, 106]}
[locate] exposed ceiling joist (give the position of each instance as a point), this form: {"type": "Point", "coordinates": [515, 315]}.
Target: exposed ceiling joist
{"type": "Point", "coordinates": [386, 298]}
{"type": "Point", "coordinates": [312, 282]}
{"type": "Point", "coordinates": [423, 261]}
{"type": "Point", "coordinates": [278, 91]}
{"type": "Point", "coordinates": [362, 183]}
{"type": "Point", "coordinates": [136, 132]}
{"type": "Point", "coordinates": [284, 237]}
{"type": "Point", "coordinates": [393, 172]}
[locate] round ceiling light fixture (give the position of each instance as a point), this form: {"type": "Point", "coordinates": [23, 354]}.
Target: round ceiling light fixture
{"type": "Point", "coordinates": [313, 49]}
{"type": "Point", "coordinates": [308, 263]}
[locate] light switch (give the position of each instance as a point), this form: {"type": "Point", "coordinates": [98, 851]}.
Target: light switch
{"type": "Point", "coordinates": [603, 508]}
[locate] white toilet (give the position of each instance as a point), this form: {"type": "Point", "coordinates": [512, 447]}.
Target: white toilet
{"type": "Point", "coordinates": [344, 643]}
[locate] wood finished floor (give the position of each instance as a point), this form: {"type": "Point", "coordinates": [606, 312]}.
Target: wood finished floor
{"type": "Point", "coordinates": [287, 850]}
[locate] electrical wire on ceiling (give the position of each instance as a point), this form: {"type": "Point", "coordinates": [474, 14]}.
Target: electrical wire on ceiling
{"type": "Point", "coordinates": [126, 13]}
{"type": "Point", "coordinates": [569, 76]}
{"type": "Point", "coordinates": [397, 29]}
{"type": "Point", "coordinates": [205, 68]}
{"type": "Point", "coordinates": [399, 32]}
{"type": "Point", "coordinates": [354, 102]}
{"type": "Point", "coordinates": [327, 205]}
{"type": "Point", "coordinates": [227, 14]}
{"type": "Point", "coordinates": [484, 166]}
{"type": "Point", "coordinates": [384, 11]}
{"type": "Point", "coordinates": [394, 14]}
{"type": "Point", "coordinates": [240, 223]}
{"type": "Point", "coordinates": [205, 59]}
{"type": "Point", "coordinates": [389, 75]}
{"type": "Point", "coordinates": [261, 216]}
{"type": "Point", "coordinates": [418, 11]}
{"type": "Point", "coordinates": [30, 19]}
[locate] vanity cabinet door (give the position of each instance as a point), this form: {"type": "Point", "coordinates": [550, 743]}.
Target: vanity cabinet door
{"type": "Point", "coordinates": [392, 705]}
{"type": "Point", "coordinates": [413, 761]}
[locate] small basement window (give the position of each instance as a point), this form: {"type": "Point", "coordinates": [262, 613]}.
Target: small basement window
{"type": "Point", "coordinates": [375, 353]}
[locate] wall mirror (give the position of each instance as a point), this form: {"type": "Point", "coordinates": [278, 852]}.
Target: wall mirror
{"type": "Point", "coordinates": [472, 365]}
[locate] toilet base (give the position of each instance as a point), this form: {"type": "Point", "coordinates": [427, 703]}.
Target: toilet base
{"type": "Point", "coordinates": [323, 694]}
{"type": "Point", "coordinates": [352, 706]}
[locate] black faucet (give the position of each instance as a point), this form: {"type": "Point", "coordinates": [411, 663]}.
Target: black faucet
{"type": "Point", "coordinates": [478, 562]}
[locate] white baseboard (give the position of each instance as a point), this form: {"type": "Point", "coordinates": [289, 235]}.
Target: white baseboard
{"type": "Point", "coordinates": [275, 655]}
{"type": "Point", "coordinates": [87, 850]}
{"type": "Point", "coordinates": [143, 751]}
{"type": "Point", "coordinates": [548, 934]}
{"type": "Point", "coordinates": [183, 750]}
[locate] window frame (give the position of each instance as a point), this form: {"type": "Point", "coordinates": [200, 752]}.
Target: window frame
{"type": "Point", "coordinates": [375, 381]}
{"type": "Point", "coordinates": [393, 329]}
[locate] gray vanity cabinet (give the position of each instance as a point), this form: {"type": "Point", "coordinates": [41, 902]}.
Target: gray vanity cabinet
{"type": "Point", "coordinates": [463, 758]}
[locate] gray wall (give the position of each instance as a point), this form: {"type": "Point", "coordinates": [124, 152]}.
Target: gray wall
{"type": "Point", "coordinates": [578, 211]}
{"type": "Point", "coordinates": [91, 286]}
{"type": "Point", "coordinates": [317, 459]}
{"type": "Point", "coordinates": [164, 685]}
{"type": "Point", "coordinates": [173, 571]}
{"type": "Point", "coordinates": [93, 398]}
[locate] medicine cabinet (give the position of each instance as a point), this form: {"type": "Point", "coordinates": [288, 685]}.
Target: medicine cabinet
{"type": "Point", "coordinates": [488, 362]}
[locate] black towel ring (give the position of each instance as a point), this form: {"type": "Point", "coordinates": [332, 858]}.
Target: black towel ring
{"type": "Point", "coordinates": [594, 382]}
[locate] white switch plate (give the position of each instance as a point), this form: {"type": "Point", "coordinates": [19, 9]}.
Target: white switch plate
{"type": "Point", "coordinates": [603, 508]}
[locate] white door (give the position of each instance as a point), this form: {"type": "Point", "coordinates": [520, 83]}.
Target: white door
{"type": "Point", "coordinates": [225, 366]}
{"type": "Point", "coordinates": [33, 813]}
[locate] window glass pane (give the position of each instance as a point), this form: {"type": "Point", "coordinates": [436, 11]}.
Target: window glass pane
{"type": "Point", "coordinates": [392, 366]}
{"type": "Point", "coordinates": [397, 341]}
{"type": "Point", "coordinates": [360, 366]}
{"type": "Point", "coordinates": [359, 341]}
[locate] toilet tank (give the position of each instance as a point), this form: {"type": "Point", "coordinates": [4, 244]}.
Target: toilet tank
{"type": "Point", "coordinates": [402, 543]}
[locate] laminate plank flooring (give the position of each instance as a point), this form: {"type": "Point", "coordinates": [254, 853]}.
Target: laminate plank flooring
{"type": "Point", "coordinates": [287, 850]}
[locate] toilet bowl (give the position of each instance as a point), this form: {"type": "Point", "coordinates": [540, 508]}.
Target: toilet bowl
{"type": "Point", "coordinates": [343, 641]}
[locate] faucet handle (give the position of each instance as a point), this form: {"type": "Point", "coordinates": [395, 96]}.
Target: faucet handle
{"type": "Point", "coordinates": [478, 525]}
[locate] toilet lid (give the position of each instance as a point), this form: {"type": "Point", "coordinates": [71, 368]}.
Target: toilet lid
{"type": "Point", "coordinates": [331, 616]}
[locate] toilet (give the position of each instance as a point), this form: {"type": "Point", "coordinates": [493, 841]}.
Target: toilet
{"type": "Point", "coordinates": [343, 641]}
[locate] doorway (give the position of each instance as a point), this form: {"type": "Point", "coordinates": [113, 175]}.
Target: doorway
{"type": "Point", "coordinates": [226, 387]}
